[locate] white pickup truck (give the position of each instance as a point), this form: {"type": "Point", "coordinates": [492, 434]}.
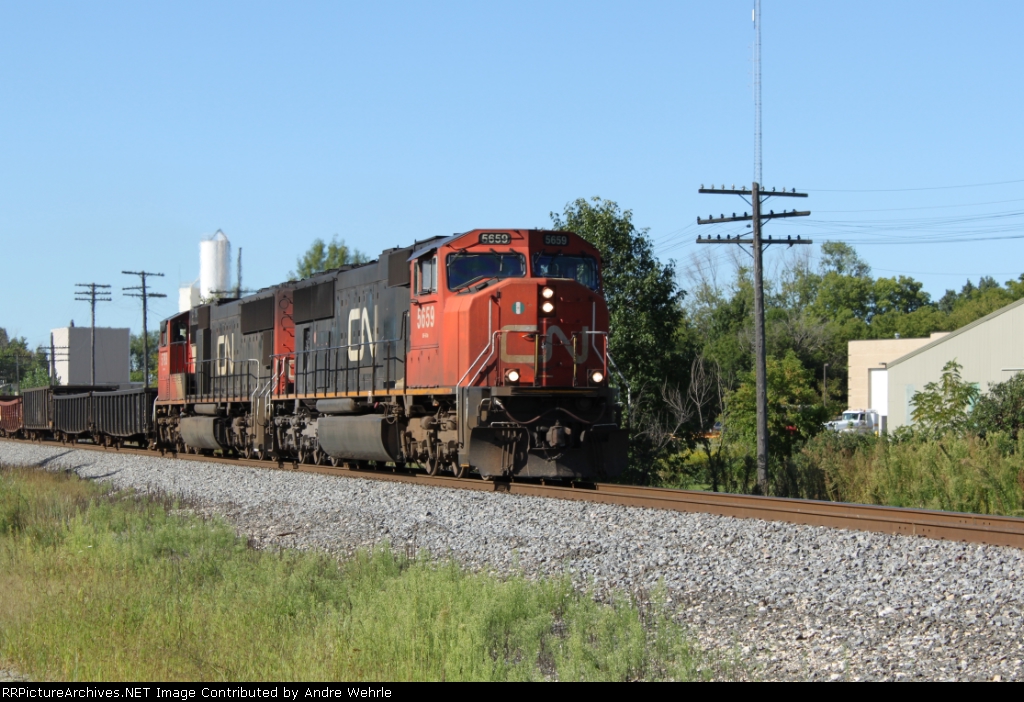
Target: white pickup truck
{"type": "Point", "coordinates": [856, 421]}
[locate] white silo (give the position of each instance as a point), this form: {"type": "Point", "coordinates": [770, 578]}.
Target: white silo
{"type": "Point", "coordinates": [214, 265]}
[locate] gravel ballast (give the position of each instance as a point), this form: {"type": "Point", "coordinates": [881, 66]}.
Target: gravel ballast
{"type": "Point", "coordinates": [790, 602]}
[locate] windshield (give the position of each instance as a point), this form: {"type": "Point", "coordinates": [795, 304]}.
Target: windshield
{"type": "Point", "coordinates": [852, 416]}
{"type": "Point", "coordinates": [467, 268]}
{"type": "Point", "coordinates": [582, 269]}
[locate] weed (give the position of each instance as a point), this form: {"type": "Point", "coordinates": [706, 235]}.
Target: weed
{"type": "Point", "coordinates": [100, 587]}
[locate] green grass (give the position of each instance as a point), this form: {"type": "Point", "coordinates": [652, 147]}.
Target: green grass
{"type": "Point", "coordinates": [101, 586]}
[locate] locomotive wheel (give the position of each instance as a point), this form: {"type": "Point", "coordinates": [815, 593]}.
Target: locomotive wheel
{"type": "Point", "coordinates": [319, 457]}
{"type": "Point", "coordinates": [335, 461]}
{"type": "Point", "coordinates": [459, 470]}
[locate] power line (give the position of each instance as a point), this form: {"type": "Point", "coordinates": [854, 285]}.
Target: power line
{"type": "Point", "coordinates": [925, 207]}
{"type": "Point", "coordinates": [950, 275]}
{"type": "Point", "coordinates": [909, 190]}
{"type": "Point", "coordinates": [95, 293]}
{"type": "Point", "coordinates": [145, 295]}
{"type": "Point", "coordinates": [905, 242]}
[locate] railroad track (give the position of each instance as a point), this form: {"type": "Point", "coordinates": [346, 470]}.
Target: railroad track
{"type": "Point", "coordinates": [950, 526]}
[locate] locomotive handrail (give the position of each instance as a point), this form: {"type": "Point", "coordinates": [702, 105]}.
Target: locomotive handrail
{"type": "Point", "coordinates": [490, 346]}
{"type": "Point", "coordinates": [280, 361]}
{"type": "Point", "coordinates": [629, 395]}
{"type": "Point", "coordinates": [248, 378]}
{"type": "Point", "coordinates": [604, 358]}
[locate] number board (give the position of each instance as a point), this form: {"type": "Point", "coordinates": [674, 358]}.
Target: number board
{"type": "Point", "coordinates": [498, 238]}
{"type": "Point", "coordinates": [556, 240]}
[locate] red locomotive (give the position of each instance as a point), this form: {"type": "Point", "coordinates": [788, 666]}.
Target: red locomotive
{"type": "Point", "coordinates": [483, 351]}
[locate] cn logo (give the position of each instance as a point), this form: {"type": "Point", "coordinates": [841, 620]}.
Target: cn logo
{"type": "Point", "coordinates": [359, 329]}
{"type": "Point", "coordinates": [424, 317]}
{"type": "Point", "coordinates": [555, 336]}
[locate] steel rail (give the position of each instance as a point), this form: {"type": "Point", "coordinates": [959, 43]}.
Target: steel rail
{"type": "Point", "coordinates": [933, 524]}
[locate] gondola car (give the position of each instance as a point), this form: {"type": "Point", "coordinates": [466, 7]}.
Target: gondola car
{"type": "Point", "coordinates": [10, 416]}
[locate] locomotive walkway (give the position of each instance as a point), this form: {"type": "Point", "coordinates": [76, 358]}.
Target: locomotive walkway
{"type": "Point", "coordinates": [951, 526]}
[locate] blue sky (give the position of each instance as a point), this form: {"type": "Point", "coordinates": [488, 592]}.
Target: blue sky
{"type": "Point", "coordinates": [131, 130]}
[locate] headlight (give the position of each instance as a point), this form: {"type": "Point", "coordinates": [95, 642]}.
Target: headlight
{"type": "Point", "coordinates": [548, 307]}
{"type": "Point", "coordinates": [512, 375]}
{"type": "Point", "coordinates": [547, 293]}
{"type": "Point", "coordinates": [596, 377]}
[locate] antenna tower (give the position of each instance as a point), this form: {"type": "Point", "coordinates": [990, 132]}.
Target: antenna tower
{"type": "Point", "coordinates": [756, 16]}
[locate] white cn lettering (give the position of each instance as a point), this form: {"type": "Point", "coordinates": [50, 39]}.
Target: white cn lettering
{"type": "Point", "coordinates": [362, 319]}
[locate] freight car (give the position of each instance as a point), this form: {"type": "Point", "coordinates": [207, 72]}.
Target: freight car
{"type": "Point", "coordinates": [483, 351]}
{"type": "Point", "coordinates": [39, 410]}
{"type": "Point", "coordinates": [106, 416]}
{"type": "Point", "coordinates": [10, 416]}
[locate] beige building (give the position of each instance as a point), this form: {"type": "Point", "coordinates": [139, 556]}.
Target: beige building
{"type": "Point", "coordinates": [989, 350]}
{"type": "Point", "coordinates": [72, 356]}
{"type": "Point", "coordinates": [867, 384]}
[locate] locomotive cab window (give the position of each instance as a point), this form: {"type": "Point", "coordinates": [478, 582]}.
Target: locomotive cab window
{"type": "Point", "coordinates": [582, 269]}
{"type": "Point", "coordinates": [468, 268]}
{"type": "Point", "coordinates": [426, 275]}
{"type": "Point", "coordinates": [179, 330]}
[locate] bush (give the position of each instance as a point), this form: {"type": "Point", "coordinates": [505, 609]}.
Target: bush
{"type": "Point", "coordinates": [983, 475]}
{"type": "Point", "coordinates": [1001, 408]}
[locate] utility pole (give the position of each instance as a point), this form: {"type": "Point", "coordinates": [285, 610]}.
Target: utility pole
{"type": "Point", "coordinates": [93, 294]}
{"type": "Point", "coordinates": [145, 295]}
{"type": "Point", "coordinates": [824, 386]}
{"type": "Point", "coordinates": [758, 244]}
{"type": "Point", "coordinates": [239, 290]}
{"type": "Point", "coordinates": [238, 277]}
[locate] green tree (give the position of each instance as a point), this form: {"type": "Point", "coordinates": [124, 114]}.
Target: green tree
{"type": "Point", "coordinates": [136, 353]}
{"type": "Point", "coordinates": [795, 412]}
{"type": "Point", "coordinates": [842, 259]}
{"type": "Point", "coordinates": [36, 377]}
{"type": "Point", "coordinates": [945, 406]}
{"type": "Point", "coordinates": [1001, 408]}
{"type": "Point", "coordinates": [646, 316]}
{"type": "Point", "coordinates": [19, 366]}
{"type": "Point", "coordinates": [323, 257]}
